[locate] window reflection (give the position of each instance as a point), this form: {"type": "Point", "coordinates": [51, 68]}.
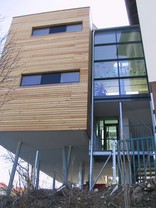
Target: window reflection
{"type": "Point", "coordinates": [126, 36]}
{"type": "Point", "coordinates": [105, 52]}
{"type": "Point", "coordinates": [133, 86]}
{"type": "Point", "coordinates": [106, 69]}
{"type": "Point", "coordinates": [106, 87]}
{"type": "Point", "coordinates": [132, 68]}
{"type": "Point", "coordinates": [103, 37]}
{"type": "Point", "coordinates": [130, 50]}
{"type": "Point", "coordinates": [119, 63]}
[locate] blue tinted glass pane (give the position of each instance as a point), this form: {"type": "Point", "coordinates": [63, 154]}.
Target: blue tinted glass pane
{"type": "Point", "coordinates": [106, 69]}
{"type": "Point", "coordinates": [70, 77]}
{"type": "Point", "coordinates": [31, 80]}
{"type": "Point", "coordinates": [105, 52]}
{"type": "Point", "coordinates": [104, 37]}
{"type": "Point", "coordinates": [106, 87]}
{"type": "Point", "coordinates": [50, 78]}
{"type": "Point", "coordinates": [134, 86]}
{"type": "Point", "coordinates": [58, 29]}
{"type": "Point", "coordinates": [132, 68]}
{"type": "Point", "coordinates": [126, 36]}
{"type": "Point", "coordinates": [74, 28]}
{"type": "Point", "coordinates": [130, 50]}
{"type": "Point", "coordinates": [42, 31]}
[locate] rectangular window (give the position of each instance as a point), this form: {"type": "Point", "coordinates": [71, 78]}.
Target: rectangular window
{"type": "Point", "coordinates": [133, 86]}
{"type": "Point", "coordinates": [106, 69]}
{"type": "Point", "coordinates": [105, 37]}
{"type": "Point", "coordinates": [105, 52]}
{"type": "Point", "coordinates": [30, 80]}
{"type": "Point", "coordinates": [57, 29]}
{"type": "Point", "coordinates": [50, 78]}
{"type": "Point", "coordinates": [129, 68]}
{"type": "Point", "coordinates": [128, 36]}
{"type": "Point", "coordinates": [40, 31]}
{"type": "Point", "coordinates": [74, 28]}
{"type": "Point", "coordinates": [130, 50]}
{"type": "Point", "coordinates": [104, 88]}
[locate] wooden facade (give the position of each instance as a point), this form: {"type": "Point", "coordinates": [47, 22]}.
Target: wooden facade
{"type": "Point", "coordinates": [54, 106]}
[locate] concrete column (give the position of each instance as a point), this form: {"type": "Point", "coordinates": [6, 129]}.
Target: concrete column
{"type": "Point", "coordinates": [14, 168]}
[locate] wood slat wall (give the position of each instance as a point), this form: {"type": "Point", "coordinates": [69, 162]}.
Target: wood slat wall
{"type": "Point", "coordinates": [48, 107]}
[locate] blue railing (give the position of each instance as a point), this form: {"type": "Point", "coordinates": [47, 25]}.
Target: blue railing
{"type": "Point", "coordinates": [136, 158]}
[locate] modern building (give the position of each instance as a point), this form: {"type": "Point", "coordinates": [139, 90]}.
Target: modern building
{"type": "Point", "coordinates": [48, 115]}
{"type": "Point", "coordinates": [81, 107]}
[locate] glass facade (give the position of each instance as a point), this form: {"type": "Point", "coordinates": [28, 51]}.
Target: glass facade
{"type": "Point", "coordinates": [119, 65]}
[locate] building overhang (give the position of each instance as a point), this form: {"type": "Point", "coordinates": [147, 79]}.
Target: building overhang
{"type": "Point", "coordinates": [50, 145]}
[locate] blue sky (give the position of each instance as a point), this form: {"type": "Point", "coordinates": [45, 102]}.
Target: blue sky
{"type": "Point", "coordinates": [105, 14]}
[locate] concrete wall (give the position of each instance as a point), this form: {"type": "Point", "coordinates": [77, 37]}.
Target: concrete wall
{"type": "Point", "coordinates": [147, 17]}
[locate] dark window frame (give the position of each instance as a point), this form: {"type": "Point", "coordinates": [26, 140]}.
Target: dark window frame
{"type": "Point", "coordinates": [45, 79]}
{"type": "Point", "coordinates": [56, 29]}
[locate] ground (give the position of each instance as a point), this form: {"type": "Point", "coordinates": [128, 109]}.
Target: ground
{"type": "Point", "coordinates": [141, 195]}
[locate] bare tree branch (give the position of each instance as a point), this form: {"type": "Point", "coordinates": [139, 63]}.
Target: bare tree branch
{"type": "Point", "coordinates": [9, 58]}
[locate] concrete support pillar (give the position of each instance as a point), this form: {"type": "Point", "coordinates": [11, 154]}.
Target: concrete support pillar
{"type": "Point", "coordinates": [14, 168]}
{"type": "Point", "coordinates": [81, 174]}
{"type": "Point", "coordinates": [66, 162]}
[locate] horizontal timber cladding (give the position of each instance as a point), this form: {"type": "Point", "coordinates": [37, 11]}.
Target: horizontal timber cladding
{"type": "Point", "coordinates": [54, 106]}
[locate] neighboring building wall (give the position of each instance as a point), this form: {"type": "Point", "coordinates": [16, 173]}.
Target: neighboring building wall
{"type": "Point", "coordinates": [57, 106]}
{"type": "Point", "coordinates": [147, 16]}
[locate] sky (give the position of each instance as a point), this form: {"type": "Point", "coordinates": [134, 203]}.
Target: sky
{"type": "Point", "coordinates": [105, 14]}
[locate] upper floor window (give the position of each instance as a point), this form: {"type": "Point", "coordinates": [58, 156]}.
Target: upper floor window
{"type": "Point", "coordinates": [50, 78]}
{"type": "Point", "coordinates": [57, 29]}
{"type": "Point", "coordinates": [119, 65]}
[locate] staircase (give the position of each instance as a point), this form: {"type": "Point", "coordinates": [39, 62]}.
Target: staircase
{"type": "Point", "coordinates": [138, 156]}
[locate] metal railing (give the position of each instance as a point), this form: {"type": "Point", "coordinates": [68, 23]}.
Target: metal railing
{"type": "Point", "coordinates": [136, 158]}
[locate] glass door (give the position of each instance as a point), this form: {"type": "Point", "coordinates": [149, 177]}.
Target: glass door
{"type": "Point", "coordinates": [111, 135]}
{"type": "Point", "coordinates": [107, 132]}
